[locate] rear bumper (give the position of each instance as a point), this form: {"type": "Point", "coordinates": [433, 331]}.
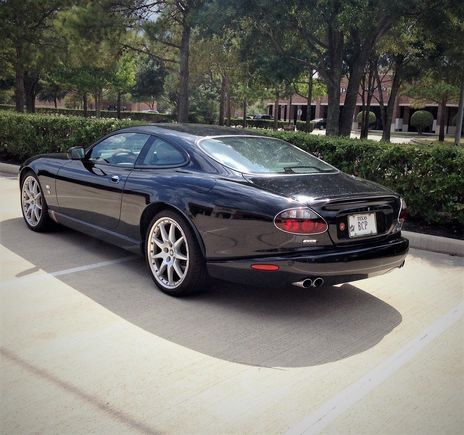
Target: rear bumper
{"type": "Point", "coordinates": [335, 265]}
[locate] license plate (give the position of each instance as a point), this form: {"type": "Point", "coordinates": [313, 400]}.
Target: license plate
{"type": "Point", "coordinates": [362, 225]}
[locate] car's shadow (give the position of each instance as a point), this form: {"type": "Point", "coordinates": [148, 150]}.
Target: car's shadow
{"type": "Point", "coordinates": [287, 327]}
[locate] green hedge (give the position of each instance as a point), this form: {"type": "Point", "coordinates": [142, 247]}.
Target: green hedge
{"type": "Point", "coordinates": [269, 124]}
{"type": "Point", "coordinates": [137, 116]}
{"type": "Point", "coordinates": [429, 177]}
{"type": "Point", "coordinates": [24, 135]}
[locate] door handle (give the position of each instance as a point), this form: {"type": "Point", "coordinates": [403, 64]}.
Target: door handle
{"type": "Point", "coordinates": [115, 179]}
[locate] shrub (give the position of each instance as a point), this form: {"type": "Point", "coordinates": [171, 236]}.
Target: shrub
{"type": "Point", "coordinates": [421, 119]}
{"type": "Point", "coordinates": [24, 135]}
{"type": "Point", "coordinates": [137, 116]}
{"type": "Point", "coordinates": [269, 124]}
{"type": "Point", "coordinates": [372, 117]}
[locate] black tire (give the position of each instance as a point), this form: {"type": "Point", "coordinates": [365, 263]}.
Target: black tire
{"type": "Point", "coordinates": [40, 222]}
{"type": "Point", "coordinates": [170, 256]}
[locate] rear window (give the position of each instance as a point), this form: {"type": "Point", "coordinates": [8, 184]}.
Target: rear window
{"type": "Point", "coordinates": [259, 155]}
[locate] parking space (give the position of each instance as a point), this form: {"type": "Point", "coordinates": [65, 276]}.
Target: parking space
{"type": "Point", "coordinates": [89, 345]}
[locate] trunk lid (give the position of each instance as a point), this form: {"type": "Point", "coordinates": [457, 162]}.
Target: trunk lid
{"type": "Point", "coordinates": [336, 197]}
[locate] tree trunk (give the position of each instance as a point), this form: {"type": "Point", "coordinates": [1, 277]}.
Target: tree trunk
{"type": "Point", "coordinates": [363, 107]}
{"type": "Point", "coordinates": [276, 108]}
{"type": "Point", "coordinates": [309, 98]}
{"type": "Point", "coordinates": [30, 90]}
{"type": "Point", "coordinates": [245, 107]}
{"type": "Point", "coordinates": [222, 100]}
{"type": "Point", "coordinates": [370, 93]}
{"type": "Point", "coordinates": [183, 94]}
{"type": "Point", "coordinates": [30, 101]}
{"type": "Point", "coordinates": [333, 76]}
{"type": "Point", "coordinates": [357, 70]}
{"type": "Point", "coordinates": [228, 103]}
{"type": "Point", "coordinates": [290, 109]}
{"type": "Point", "coordinates": [442, 108]}
{"type": "Point", "coordinates": [383, 116]}
{"type": "Point", "coordinates": [84, 102]}
{"type": "Point", "coordinates": [459, 116]}
{"type": "Point", "coordinates": [118, 106]}
{"type": "Point", "coordinates": [395, 87]}
{"type": "Point", "coordinates": [55, 102]}
{"type": "Point", "coordinates": [19, 87]}
{"type": "Point", "coordinates": [333, 110]}
{"type": "Point", "coordinates": [97, 97]}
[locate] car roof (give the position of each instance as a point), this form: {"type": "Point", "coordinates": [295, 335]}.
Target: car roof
{"type": "Point", "coordinates": [189, 132]}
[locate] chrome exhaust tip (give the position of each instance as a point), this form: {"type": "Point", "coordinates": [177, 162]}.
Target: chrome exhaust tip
{"type": "Point", "coordinates": [318, 282]}
{"type": "Point", "coordinates": [307, 283]}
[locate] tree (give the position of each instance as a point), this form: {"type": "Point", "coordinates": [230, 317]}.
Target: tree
{"type": "Point", "coordinates": [334, 38]}
{"type": "Point", "coordinates": [124, 78]}
{"type": "Point", "coordinates": [169, 27]}
{"type": "Point", "coordinates": [94, 33]}
{"type": "Point", "coordinates": [149, 81]}
{"type": "Point", "coordinates": [51, 91]}
{"type": "Point", "coordinates": [23, 25]}
{"type": "Point", "coordinates": [443, 26]}
{"type": "Point", "coordinates": [400, 56]}
{"type": "Point", "coordinates": [431, 88]}
{"type": "Point", "coordinates": [308, 87]}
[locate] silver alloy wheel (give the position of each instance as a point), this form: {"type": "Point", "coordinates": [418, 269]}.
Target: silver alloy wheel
{"type": "Point", "coordinates": [31, 201]}
{"type": "Point", "coordinates": [168, 252]}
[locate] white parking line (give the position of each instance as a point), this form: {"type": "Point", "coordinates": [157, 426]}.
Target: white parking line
{"type": "Point", "coordinates": [46, 275]}
{"type": "Point", "coordinates": [333, 408]}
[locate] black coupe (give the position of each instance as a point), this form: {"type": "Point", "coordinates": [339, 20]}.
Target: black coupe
{"type": "Point", "coordinates": [203, 201]}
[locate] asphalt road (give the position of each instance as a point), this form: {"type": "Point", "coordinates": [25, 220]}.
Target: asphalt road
{"type": "Point", "coordinates": [89, 345]}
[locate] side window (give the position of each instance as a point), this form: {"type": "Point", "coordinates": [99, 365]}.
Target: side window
{"type": "Point", "coordinates": [160, 153]}
{"type": "Point", "coordinates": [119, 149]}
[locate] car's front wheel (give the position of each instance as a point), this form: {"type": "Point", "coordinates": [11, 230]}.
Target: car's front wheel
{"type": "Point", "coordinates": [33, 205]}
{"type": "Point", "coordinates": [173, 255]}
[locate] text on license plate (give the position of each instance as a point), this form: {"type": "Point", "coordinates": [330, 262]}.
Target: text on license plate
{"type": "Point", "coordinates": [362, 225]}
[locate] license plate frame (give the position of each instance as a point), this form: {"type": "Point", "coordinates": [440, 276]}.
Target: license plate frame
{"type": "Point", "coordinates": [362, 225]}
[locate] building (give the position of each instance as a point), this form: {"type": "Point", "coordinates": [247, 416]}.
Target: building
{"type": "Point", "coordinates": [296, 109]}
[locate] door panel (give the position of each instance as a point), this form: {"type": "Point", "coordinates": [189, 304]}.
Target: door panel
{"type": "Point", "coordinates": [91, 192]}
{"type": "Point", "coordinates": [91, 189]}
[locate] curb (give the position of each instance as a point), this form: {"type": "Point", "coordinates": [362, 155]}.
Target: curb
{"type": "Point", "coordinates": [426, 242]}
{"type": "Point", "coordinates": [9, 168]}
{"type": "Point", "coordinates": [442, 245]}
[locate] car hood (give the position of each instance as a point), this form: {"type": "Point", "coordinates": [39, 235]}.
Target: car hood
{"type": "Point", "coordinates": [310, 188]}
{"type": "Point", "coordinates": [57, 156]}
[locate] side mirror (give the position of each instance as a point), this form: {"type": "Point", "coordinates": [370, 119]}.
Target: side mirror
{"type": "Point", "coordinates": [76, 153]}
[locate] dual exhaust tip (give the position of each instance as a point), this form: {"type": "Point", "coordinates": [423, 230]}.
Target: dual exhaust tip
{"type": "Point", "coordinates": [310, 282]}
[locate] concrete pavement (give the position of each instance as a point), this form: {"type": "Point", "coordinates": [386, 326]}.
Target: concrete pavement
{"type": "Point", "coordinates": [89, 345]}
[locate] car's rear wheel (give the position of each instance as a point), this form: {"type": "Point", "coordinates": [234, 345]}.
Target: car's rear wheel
{"type": "Point", "coordinates": [33, 204]}
{"type": "Point", "coordinates": [173, 255]}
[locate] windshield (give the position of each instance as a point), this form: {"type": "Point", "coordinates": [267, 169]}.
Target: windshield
{"type": "Point", "coordinates": [255, 155]}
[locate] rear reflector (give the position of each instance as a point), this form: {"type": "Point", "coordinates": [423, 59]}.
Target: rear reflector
{"type": "Point", "coordinates": [267, 267]}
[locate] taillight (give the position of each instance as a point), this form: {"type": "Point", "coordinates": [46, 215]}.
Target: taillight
{"type": "Point", "coordinates": [403, 212]}
{"type": "Point", "coordinates": [402, 215]}
{"type": "Point", "coordinates": [300, 221]}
